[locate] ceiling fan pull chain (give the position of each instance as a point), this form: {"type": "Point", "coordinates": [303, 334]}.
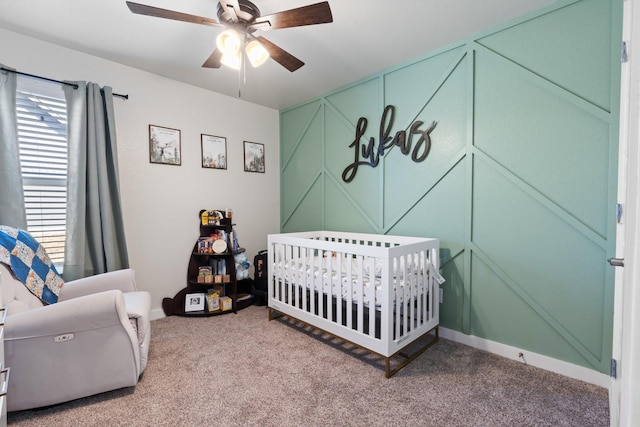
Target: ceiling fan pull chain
{"type": "Point", "coordinates": [244, 68]}
{"type": "Point", "coordinates": [240, 73]}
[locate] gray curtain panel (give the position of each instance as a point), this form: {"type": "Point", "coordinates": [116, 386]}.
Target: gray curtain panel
{"type": "Point", "coordinates": [12, 211]}
{"type": "Point", "coordinates": [95, 240]}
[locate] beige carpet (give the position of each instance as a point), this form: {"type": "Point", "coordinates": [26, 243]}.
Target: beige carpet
{"type": "Point", "coordinates": [239, 370]}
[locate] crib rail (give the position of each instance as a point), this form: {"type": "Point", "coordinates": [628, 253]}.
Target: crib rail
{"type": "Point", "coordinates": [377, 291]}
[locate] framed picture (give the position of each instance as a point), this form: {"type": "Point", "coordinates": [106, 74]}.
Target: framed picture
{"type": "Point", "coordinates": [253, 157]}
{"type": "Point", "coordinates": [214, 151]}
{"type": "Point", "coordinates": [193, 302]}
{"type": "Point", "coordinates": [164, 145]}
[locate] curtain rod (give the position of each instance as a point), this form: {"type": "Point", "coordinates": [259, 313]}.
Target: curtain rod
{"type": "Point", "coordinates": [54, 81]}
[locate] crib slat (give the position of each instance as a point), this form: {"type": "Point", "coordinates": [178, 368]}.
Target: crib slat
{"type": "Point", "coordinates": [338, 289]}
{"type": "Point", "coordinates": [359, 295]}
{"type": "Point", "coordinates": [406, 301]}
{"type": "Point", "coordinates": [317, 283]}
{"type": "Point", "coordinates": [328, 285]}
{"type": "Point", "coordinates": [280, 279]}
{"type": "Point", "coordinates": [304, 285]}
{"type": "Point", "coordinates": [311, 283]}
{"type": "Point", "coordinates": [412, 292]}
{"type": "Point", "coordinates": [423, 289]}
{"type": "Point", "coordinates": [349, 295]}
{"type": "Point", "coordinates": [293, 284]}
{"type": "Point", "coordinates": [371, 296]}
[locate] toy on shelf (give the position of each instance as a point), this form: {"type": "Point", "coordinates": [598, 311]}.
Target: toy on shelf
{"type": "Point", "coordinates": [242, 266]}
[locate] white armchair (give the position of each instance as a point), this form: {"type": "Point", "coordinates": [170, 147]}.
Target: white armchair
{"type": "Point", "coordinates": [94, 339]}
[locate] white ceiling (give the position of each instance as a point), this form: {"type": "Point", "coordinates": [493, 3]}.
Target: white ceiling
{"type": "Point", "coordinates": [365, 37]}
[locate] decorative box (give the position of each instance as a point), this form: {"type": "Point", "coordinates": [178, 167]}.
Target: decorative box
{"type": "Point", "coordinates": [226, 303]}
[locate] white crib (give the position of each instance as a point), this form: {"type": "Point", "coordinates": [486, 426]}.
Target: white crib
{"type": "Point", "coordinates": [377, 291]}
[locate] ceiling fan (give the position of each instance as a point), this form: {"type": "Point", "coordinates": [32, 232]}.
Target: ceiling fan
{"type": "Point", "coordinates": [241, 19]}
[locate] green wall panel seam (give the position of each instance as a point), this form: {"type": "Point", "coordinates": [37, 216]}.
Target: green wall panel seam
{"type": "Point", "coordinates": [547, 85]}
{"type": "Point", "coordinates": [543, 200]}
{"type": "Point", "coordinates": [343, 119]}
{"type": "Point", "coordinates": [354, 203]}
{"type": "Point", "coordinates": [552, 8]}
{"type": "Point", "coordinates": [301, 199]}
{"type": "Point", "coordinates": [382, 172]}
{"type": "Point", "coordinates": [351, 199]}
{"type": "Point", "coordinates": [452, 256]}
{"type": "Point", "coordinates": [323, 201]}
{"type": "Point", "coordinates": [468, 220]}
{"type": "Point", "coordinates": [545, 315]}
{"type": "Point", "coordinates": [445, 171]}
{"type": "Point", "coordinates": [445, 76]}
{"type": "Point", "coordinates": [285, 162]}
{"type": "Point", "coordinates": [339, 114]}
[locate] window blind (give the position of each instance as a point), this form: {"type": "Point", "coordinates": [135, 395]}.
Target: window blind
{"type": "Point", "coordinates": [42, 138]}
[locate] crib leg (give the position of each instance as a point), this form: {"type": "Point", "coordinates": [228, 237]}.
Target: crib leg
{"type": "Point", "coordinates": [409, 358]}
{"type": "Point", "coordinates": [274, 314]}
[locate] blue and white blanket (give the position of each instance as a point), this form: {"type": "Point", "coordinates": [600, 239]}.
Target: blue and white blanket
{"type": "Point", "coordinates": [30, 263]}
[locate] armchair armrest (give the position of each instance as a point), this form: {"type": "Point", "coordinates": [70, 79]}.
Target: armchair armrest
{"type": "Point", "coordinates": [76, 315]}
{"type": "Point", "coordinates": [123, 280]}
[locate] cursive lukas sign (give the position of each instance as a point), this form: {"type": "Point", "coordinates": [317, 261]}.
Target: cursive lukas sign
{"type": "Point", "coordinates": [372, 155]}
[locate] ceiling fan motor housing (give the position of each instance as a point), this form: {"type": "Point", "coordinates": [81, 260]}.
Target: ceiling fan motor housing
{"type": "Point", "coordinates": [240, 18]}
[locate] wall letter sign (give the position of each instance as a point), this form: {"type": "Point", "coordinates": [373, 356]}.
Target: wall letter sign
{"type": "Point", "coordinates": [373, 154]}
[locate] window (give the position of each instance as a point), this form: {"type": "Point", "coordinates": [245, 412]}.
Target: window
{"type": "Point", "coordinates": [42, 138]}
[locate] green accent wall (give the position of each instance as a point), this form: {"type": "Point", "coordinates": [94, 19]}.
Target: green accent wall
{"type": "Point", "coordinates": [519, 184]}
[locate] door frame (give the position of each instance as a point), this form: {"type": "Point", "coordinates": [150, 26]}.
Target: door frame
{"type": "Point", "coordinates": [624, 390]}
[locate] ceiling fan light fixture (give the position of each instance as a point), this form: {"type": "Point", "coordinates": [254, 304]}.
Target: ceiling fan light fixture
{"type": "Point", "coordinates": [233, 60]}
{"type": "Point", "coordinates": [229, 42]}
{"type": "Point", "coordinates": [256, 53]}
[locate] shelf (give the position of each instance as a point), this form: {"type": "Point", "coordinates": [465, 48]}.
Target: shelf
{"type": "Point", "coordinates": [176, 305]}
{"type": "Point", "coordinates": [208, 285]}
{"type": "Point", "coordinates": [221, 254]}
{"type": "Point", "coordinates": [239, 251]}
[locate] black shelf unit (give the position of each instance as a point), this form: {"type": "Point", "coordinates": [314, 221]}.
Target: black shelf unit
{"type": "Point", "coordinates": [176, 305]}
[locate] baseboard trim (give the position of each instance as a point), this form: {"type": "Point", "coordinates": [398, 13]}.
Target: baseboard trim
{"type": "Point", "coordinates": [534, 359]}
{"type": "Point", "coordinates": [156, 314]}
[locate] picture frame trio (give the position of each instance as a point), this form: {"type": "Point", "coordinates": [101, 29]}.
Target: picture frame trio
{"type": "Point", "coordinates": [165, 147]}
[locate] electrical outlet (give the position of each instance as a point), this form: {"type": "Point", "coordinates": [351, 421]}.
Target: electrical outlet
{"type": "Point", "coordinates": [441, 295]}
{"type": "Point", "coordinates": [521, 357]}
{"type": "Point", "coordinates": [64, 337]}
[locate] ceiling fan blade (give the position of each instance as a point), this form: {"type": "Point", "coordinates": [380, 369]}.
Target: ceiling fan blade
{"type": "Point", "coordinates": [319, 13]}
{"type": "Point", "coordinates": [280, 55]}
{"type": "Point", "coordinates": [142, 9]}
{"type": "Point", "coordinates": [213, 61]}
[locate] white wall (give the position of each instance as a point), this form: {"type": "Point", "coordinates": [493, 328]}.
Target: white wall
{"type": "Point", "coordinates": [160, 202]}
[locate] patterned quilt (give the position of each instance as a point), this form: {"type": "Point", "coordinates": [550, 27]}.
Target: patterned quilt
{"type": "Point", "coordinates": [30, 263]}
